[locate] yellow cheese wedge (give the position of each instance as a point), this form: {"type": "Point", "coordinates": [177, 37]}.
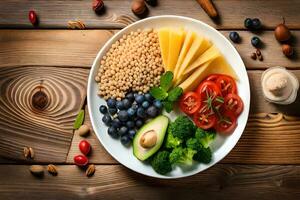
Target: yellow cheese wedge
{"type": "Point", "coordinates": [190, 56]}
{"type": "Point", "coordinates": [205, 45]}
{"type": "Point", "coordinates": [188, 40]}
{"type": "Point", "coordinates": [163, 36]}
{"type": "Point", "coordinates": [209, 55]}
{"type": "Point", "coordinates": [217, 66]}
{"type": "Point", "coordinates": [176, 38]}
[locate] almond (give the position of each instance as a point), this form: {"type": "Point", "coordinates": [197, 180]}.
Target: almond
{"type": "Point", "coordinates": [37, 170]}
{"type": "Point", "coordinates": [76, 24]}
{"type": "Point", "coordinates": [90, 170]}
{"type": "Point", "coordinates": [52, 169]}
{"type": "Point", "coordinates": [26, 152]}
{"type": "Point", "coordinates": [31, 153]}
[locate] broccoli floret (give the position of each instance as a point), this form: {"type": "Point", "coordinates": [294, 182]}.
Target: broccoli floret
{"type": "Point", "coordinates": [182, 128]}
{"type": "Point", "coordinates": [204, 155]}
{"type": "Point", "coordinates": [205, 137]}
{"type": "Point", "coordinates": [171, 141]}
{"type": "Point", "coordinates": [194, 144]}
{"type": "Point", "coordinates": [161, 163]}
{"type": "Point", "coordinates": [181, 155]}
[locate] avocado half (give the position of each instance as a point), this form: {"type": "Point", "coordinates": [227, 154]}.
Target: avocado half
{"type": "Point", "coordinates": [158, 125]}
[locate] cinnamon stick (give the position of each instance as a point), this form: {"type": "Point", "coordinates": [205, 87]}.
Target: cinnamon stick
{"type": "Point", "coordinates": [208, 7]}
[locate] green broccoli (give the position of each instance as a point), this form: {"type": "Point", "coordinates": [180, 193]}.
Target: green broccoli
{"type": "Point", "coordinates": [160, 162]}
{"type": "Point", "coordinates": [171, 141]}
{"type": "Point", "coordinates": [194, 144]}
{"type": "Point", "coordinates": [204, 155]}
{"type": "Point", "coordinates": [181, 155]}
{"type": "Point", "coordinates": [205, 137]}
{"type": "Point", "coordinates": [182, 128]}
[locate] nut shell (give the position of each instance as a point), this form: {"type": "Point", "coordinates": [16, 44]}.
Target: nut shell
{"type": "Point", "coordinates": [37, 170]}
{"type": "Point", "coordinates": [287, 50]}
{"type": "Point", "coordinates": [90, 170]}
{"type": "Point", "coordinates": [52, 169]}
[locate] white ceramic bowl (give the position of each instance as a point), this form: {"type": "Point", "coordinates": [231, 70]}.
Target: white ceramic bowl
{"type": "Point", "coordinates": [222, 144]}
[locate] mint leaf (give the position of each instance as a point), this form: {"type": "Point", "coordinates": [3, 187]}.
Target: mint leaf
{"type": "Point", "coordinates": [175, 93]}
{"type": "Point", "coordinates": [166, 80]}
{"type": "Point", "coordinates": [168, 105]}
{"type": "Point", "coordinates": [79, 119]}
{"type": "Point", "coordinates": [158, 93]}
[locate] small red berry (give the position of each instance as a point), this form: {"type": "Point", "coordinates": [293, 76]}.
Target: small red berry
{"type": "Point", "coordinates": [81, 160]}
{"type": "Point", "coordinates": [33, 17]}
{"type": "Point", "coordinates": [98, 5]}
{"type": "Point", "coordinates": [84, 147]}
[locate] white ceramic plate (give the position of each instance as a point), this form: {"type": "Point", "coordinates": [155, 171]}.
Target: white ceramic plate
{"type": "Point", "coordinates": [220, 147]}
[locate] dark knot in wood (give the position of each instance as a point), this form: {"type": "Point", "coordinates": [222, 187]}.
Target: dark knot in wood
{"type": "Point", "coordinates": [40, 100]}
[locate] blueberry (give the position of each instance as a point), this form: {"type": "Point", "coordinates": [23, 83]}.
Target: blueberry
{"type": "Point", "coordinates": [125, 140]}
{"type": "Point", "coordinates": [248, 23]}
{"type": "Point", "coordinates": [131, 112]}
{"type": "Point", "coordinates": [234, 36]}
{"type": "Point", "coordinates": [103, 109]}
{"type": "Point", "coordinates": [123, 130]}
{"type": "Point", "coordinates": [130, 124]}
{"type": "Point", "coordinates": [157, 104]}
{"type": "Point", "coordinates": [139, 123]}
{"type": "Point", "coordinates": [139, 98]}
{"type": "Point", "coordinates": [256, 24]}
{"type": "Point", "coordinates": [106, 120]}
{"type": "Point", "coordinates": [116, 123]}
{"type": "Point", "coordinates": [145, 104]}
{"type": "Point", "coordinates": [123, 116]}
{"type": "Point", "coordinates": [120, 105]}
{"type": "Point", "coordinates": [126, 103]}
{"type": "Point", "coordinates": [113, 132]}
{"type": "Point", "coordinates": [130, 96]}
{"type": "Point", "coordinates": [112, 111]}
{"type": "Point", "coordinates": [141, 113]}
{"type": "Point", "coordinates": [131, 133]}
{"type": "Point", "coordinates": [149, 97]}
{"type": "Point", "coordinates": [152, 111]}
{"type": "Point", "coordinates": [255, 41]}
{"type": "Point", "coordinates": [111, 103]}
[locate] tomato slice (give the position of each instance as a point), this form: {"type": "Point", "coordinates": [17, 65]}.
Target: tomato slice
{"type": "Point", "coordinates": [226, 84]}
{"type": "Point", "coordinates": [212, 77]}
{"type": "Point", "coordinates": [189, 103]}
{"type": "Point", "coordinates": [205, 118]}
{"type": "Point", "coordinates": [233, 103]}
{"type": "Point", "coordinates": [227, 123]}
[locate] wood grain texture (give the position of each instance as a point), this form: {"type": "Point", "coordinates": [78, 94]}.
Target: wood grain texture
{"type": "Point", "coordinates": [116, 182]}
{"type": "Point", "coordinates": [56, 14]}
{"type": "Point", "coordinates": [79, 48]}
{"type": "Point", "coordinates": [48, 131]}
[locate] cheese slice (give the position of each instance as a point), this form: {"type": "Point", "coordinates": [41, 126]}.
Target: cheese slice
{"type": "Point", "coordinates": [206, 44]}
{"type": "Point", "coordinates": [190, 56]}
{"type": "Point", "coordinates": [188, 40]}
{"type": "Point", "coordinates": [209, 55]}
{"type": "Point", "coordinates": [217, 66]}
{"type": "Point", "coordinates": [163, 37]}
{"type": "Point", "coordinates": [176, 38]}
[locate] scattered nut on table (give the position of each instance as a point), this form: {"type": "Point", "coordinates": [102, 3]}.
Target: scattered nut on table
{"type": "Point", "coordinates": [84, 130]}
{"type": "Point", "coordinates": [52, 169]}
{"type": "Point", "coordinates": [90, 170]}
{"type": "Point", "coordinates": [37, 170]}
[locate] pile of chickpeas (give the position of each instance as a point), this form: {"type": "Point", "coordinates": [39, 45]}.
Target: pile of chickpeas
{"type": "Point", "coordinates": [133, 63]}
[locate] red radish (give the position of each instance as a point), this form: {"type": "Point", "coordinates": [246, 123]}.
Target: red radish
{"type": "Point", "coordinates": [84, 147]}
{"type": "Point", "coordinates": [81, 160]}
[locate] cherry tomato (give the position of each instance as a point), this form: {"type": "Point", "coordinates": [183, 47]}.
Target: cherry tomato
{"type": "Point", "coordinates": [233, 103]}
{"type": "Point", "coordinates": [189, 103]}
{"type": "Point", "coordinates": [226, 84]}
{"type": "Point", "coordinates": [212, 77]}
{"type": "Point", "coordinates": [205, 118]}
{"type": "Point", "coordinates": [227, 123]}
{"type": "Point", "coordinates": [84, 147]}
{"type": "Point", "coordinates": [81, 160]}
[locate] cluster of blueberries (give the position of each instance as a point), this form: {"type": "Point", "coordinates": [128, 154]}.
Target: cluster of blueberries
{"type": "Point", "coordinates": [125, 117]}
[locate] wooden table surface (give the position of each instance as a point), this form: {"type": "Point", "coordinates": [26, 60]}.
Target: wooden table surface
{"type": "Point", "coordinates": [265, 164]}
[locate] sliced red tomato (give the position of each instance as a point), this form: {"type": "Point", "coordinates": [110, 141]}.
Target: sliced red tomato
{"type": "Point", "coordinates": [227, 123]}
{"type": "Point", "coordinates": [233, 103]}
{"type": "Point", "coordinates": [189, 103]}
{"type": "Point", "coordinates": [212, 77]}
{"type": "Point", "coordinates": [226, 84]}
{"type": "Point", "coordinates": [210, 95]}
{"type": "Point", "coordinates": [205, 118]}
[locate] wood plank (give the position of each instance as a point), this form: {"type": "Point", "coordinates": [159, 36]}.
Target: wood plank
{"type": "Point", "coordinates": [56, 14]}
{"type": "Point", "coordinates": [42, 122]}
{"type": "Point", "coordinates": [79, 48]}
{"type": "Point", "coordinates": [116, 182]}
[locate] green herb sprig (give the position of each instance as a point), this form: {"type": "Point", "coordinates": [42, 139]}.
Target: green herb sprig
{"type": "Point", "coordinates": [164, 92]}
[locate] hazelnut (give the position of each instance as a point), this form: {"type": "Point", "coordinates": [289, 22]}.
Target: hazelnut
{"type": "Point", "coordinates": [138, 7]}
{"type": "Point", "coordinates": [98, 6]}
{"type": "Point", "coordinates": [287, 50]}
